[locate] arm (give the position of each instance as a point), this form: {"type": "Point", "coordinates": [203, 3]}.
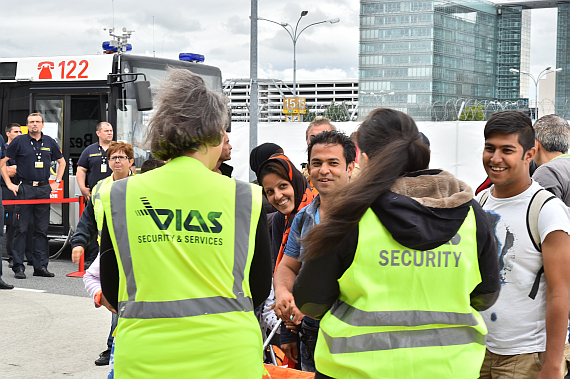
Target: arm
{"type": "Point", "coordinates": [316, 288]}
{"type": "Point", "coordinates": [4, 171]}
{"type": "Point", "coordinates": [556, 261]}
{"type": "Point", "coordinates": [81, 176]}
{"type": "Point", "coordinates": [109, 271]}
{"type": "Point", "coordinates": [92, 281]}
{"type": "Point", "coordinates": [287, 272]}
{"type": "Point", "coordinates": [486, 292]}
{"type": "Point", "coordinates": [284, 278]}
{"type": "Point", "coordinates": [12, 170]}
{"type": "Point", "coordinates": [60, 172]}
{"type": "Point", "coordinates": [260, 270]}
{"type": "Point", "coordinates": [85, 232]}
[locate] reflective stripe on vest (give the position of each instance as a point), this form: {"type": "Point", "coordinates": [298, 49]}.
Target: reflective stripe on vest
{"type": "Point", "coordinates": [185, 307]}
{"type": "Point", "coordinates": [357, 317]}
{"type": "Point", "coordinates": [97, 206]}
{"type": "Point", "coordinates": [403, 339]}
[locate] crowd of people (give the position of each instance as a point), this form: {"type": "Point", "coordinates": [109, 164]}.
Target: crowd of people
{"type": "Point", "coordinates": [378, 265]}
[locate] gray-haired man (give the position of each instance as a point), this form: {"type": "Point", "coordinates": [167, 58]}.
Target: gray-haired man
{"type": "Point", "coordinates": [552, 135]}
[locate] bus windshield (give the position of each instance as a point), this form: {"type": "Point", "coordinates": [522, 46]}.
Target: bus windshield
{"type": "Point", "coordinates": [131, 123]}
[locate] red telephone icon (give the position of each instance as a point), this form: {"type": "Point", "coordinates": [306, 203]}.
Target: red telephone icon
{"type": "Point", "coordinates": [45, 68]}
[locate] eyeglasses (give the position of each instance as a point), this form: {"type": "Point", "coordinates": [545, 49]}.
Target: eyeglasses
{"type": "Point", "coordinates": [119, 158]}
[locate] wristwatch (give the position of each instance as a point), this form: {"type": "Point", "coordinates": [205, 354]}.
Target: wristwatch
{"type": "Point", "coordinates": [58, 181]}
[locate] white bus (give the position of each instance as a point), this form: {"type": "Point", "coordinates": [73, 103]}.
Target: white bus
{"type": "Point", "coordinates": [75, 93]}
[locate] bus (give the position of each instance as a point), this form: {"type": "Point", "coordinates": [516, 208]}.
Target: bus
{"type": "Point", "coordinates": [75, 93]}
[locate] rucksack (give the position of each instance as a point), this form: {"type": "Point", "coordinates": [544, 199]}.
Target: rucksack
{"type": "Point", "coordinates": [535, 205]}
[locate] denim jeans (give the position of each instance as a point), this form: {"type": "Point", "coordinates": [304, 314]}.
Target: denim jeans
{"type": "Point", "coordinates": [114, 321]}
{"type": "Point", "coordinates": [308, 337]}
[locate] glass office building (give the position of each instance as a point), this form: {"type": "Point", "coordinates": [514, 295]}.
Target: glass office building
{"type": "Point", "coordinates": [513, 51]}
{"type": "Point", "coordinates": [562, 106]}
{"type": "Point", "coordinates": [415, 53]}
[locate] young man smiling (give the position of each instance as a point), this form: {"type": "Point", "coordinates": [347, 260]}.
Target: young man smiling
{"type": "Point", "coordinates": [331, 162]}
{"type": "Point", "coordinates": [527, 325]}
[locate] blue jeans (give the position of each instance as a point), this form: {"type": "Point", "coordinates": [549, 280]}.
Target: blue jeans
{"type": "Point", "coordinates": [111, 374]}
{"type": "Point", "coordinates": [309, 331]}
{"type": "Point", "coordinates": [114, 321]}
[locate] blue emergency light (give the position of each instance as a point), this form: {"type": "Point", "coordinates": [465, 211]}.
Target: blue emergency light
{"type": "Point", "coordinates": [110, 49]}
{"type": "Point", "coordinates": [191, 57]}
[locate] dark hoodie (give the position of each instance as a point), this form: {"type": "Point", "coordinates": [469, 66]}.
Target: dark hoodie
{"type": "Point", "coordinates": [422, 211]}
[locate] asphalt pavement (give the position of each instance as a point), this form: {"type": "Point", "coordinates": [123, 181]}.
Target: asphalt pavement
{"type": "Point", "coordinates": [49, 327]}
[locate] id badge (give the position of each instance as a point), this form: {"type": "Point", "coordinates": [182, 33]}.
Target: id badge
{"type": "Point", "coordinates": [103, 168]}
{"type": "Point", "coordinates": [39, 165]}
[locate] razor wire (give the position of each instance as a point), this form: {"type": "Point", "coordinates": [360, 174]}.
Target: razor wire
{"type": "Point", "coordinates": [464, 109]}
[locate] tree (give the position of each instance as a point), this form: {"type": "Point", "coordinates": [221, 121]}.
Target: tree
{"type": "Point", "coordinates": [334, 112]}
{"type": "Point", "coordinates": [473, 113]}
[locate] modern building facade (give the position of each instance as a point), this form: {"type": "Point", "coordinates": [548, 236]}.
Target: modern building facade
{"type": "Point", "coordinates": [433, 51]}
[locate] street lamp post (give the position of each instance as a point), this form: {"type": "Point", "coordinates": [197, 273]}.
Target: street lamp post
{"type": "Point", "coordinates": [543, 73]}
{"type": "Point", "coordinates": [295, 36]}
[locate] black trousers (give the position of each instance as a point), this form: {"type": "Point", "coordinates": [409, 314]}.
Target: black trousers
{"type": "Point", "coordinates": [9, 222]}
{"type": "Point", "coordinates": [92, 250]}
{"type": "Point", "coordinates": [23, 214]}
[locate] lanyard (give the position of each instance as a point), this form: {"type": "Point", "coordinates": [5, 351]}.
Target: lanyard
{"type": "Point", "coordinates": [103, 155]}
{"type": "Point", "coordinates": [38, 153]}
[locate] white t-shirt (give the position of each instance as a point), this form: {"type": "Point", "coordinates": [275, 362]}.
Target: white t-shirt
{"type": "Point", "coordinates": [516, 322]}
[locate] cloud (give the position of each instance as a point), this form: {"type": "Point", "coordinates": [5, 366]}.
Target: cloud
{"type": "Point", "coordinates": [238, 25]}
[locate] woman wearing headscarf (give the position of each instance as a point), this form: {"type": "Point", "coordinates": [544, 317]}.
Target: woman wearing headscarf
{"type": "Point", "coordinates": [287, 190]}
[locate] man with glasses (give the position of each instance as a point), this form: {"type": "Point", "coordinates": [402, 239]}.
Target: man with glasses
{"type": "Point", "coordinates": [33, 154]}
{"type": "Point", "coordinates": [92, 167]}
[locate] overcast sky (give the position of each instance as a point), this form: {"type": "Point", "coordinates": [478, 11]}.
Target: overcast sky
{"type": "Point", "coordinates": [218, 29]}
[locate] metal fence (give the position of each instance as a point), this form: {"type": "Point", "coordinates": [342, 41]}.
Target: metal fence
{"type": "Point", "coordinates": [464, 109]}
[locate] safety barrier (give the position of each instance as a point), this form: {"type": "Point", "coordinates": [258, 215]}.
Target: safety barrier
{"type": "Point", "coordinates": [81, 270]}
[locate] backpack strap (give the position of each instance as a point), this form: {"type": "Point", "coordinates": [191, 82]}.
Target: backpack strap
{"type": "Point", "coordinates": [537, 201]}
{"type": "Point", "coordinates": [484, 197]}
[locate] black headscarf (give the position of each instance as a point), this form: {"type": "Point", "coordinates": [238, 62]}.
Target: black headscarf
{"type": "Point", "coordinates": [260, 154]}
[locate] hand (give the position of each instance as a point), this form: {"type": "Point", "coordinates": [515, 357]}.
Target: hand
{"type": "Point", "coordinates": [12, 187]}
{"type": "Point", "coordinates": [285, 308]}
{"type": "Point", "coordinates": [289, 324]}
{"type": "Point", "coordinates": [54, 186]}
{"type": "Point", "coordinates": [76, 253]}
{"type": "Point", "coordinates": [290, 350]}
{"type": "Point", "coordinates": [86, 193]}
{"type": "Point", "coordinates": [106, 304]}
{"type": "Point", "coordinates": [550, 372]}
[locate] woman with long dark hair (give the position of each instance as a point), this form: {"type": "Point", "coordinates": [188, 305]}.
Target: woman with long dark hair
{"type": "Point", "coordinates": [400, 265]}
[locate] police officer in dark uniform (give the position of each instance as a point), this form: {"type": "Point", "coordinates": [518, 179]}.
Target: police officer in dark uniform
{"type": "Point", "coordinates": [13, 130]}
{"type": "Point", "coordinates": [92, 167]}
{"type": "Point", "coordinates": [33, 153]}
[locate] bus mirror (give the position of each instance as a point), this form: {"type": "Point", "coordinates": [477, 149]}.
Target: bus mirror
{"type": "Point", "coordinates": [143, 95]}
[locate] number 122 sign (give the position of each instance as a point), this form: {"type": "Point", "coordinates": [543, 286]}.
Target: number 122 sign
{"type": "Point", "coordinates": [65, 68]}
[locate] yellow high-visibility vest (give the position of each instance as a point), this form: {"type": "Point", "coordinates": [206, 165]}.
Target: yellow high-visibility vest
{"type": "Point", "coordinates": [184, 239]}
{"type": "Point", "coordinates": [404, 313]}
